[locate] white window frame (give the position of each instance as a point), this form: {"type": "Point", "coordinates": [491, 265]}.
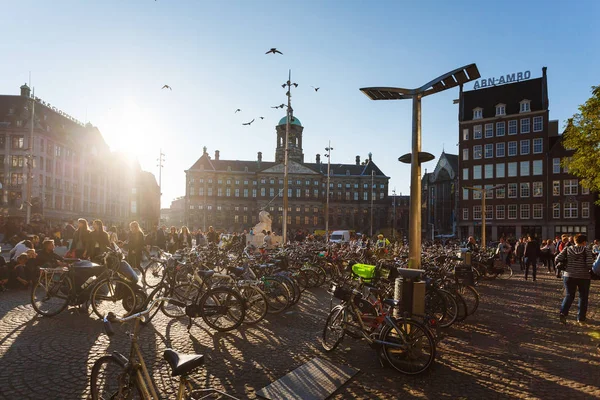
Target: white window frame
{"type": "Point", "coordinates": [556, 165]}
{"type": "Point", "coordinates": [524, 171]}
{"type": "Point", "coordinates": [478, 113]}
{"type": "Point", "coordinates": [465, 214]}
{"type": "Point", "coordinates": [500, 211]}
{"type": "Point", "coordinates": [489, 130]}
{"type": "Point", "coordinates": [476, 212]}
{"type": "Point", "coordinates": [585, 209]}
{"type": "Point", "coordinates": [570, 187]}
{"type": "Point", "coordinates": [512, 188]}
{"type": "Point", "coordinates": [513, 127]}
{"type": "Point", "coordinates": [512, 169]}
{"type": "Point", "coordinates": [524, 190]}
{"type": "Point", "coordinates": [538, 146]}
{"type": "Point", "coordinates": [500, 129]}
{"type": "Point", "coordinates": [465, 194]}
{"type": "Point", "coordinates": [501, 192]}
{"type": "Point", "coordinates": [570, 210]}
{"type": "Point", "coordinates": [477, 193]}
{"type": "Point", "coordinates": [477, 152]}
{"type": "Point", "coordinates": [489, 212]}
{"type": "Point", "coordinates": [477, 172]}
{"type": "Point", "coordinates": [501, 170]}
{"type": "Point", "coordinates": [500, 149]}
{"type": "Point", "coordinates": [488, 150]}
{"type": "Point", "coordinates": [556, 210]}
{"type": "Point", "coordinates": [512, 210]}
{"type": "Point", "coordinates": [500, 109]}
{"type": "Point", "coordinates": [537, 167]}
{"type": "Point", "coordinates": [513, 149]}
{"type": "Point", "coordinates": [524, 106]}
{"type": "Point", "coordinates": [555, 188]}
{"type": "Point", "coordinates": [537, 189]}
{"type": "Point", "coordinates": [538, 211]}
{"type": "Point", "coordinates": [525, 125]}
{"type": "Point", "coordinates": [465, 154]}
{"type": "Point", "coordinates": [465, 134]}
{"type": "Point", "coordinates": [465, 175]}
{"type": "Point", "coordinates": [525, 211]}
{"type": "Point", "coordinates": [488, 171]}
{"type": "Point", "coordinates": [477, 132]}
{"type": "Point", "coordinates": [538, 124]}
{"type": "Point", "coordinates": [525, 147]}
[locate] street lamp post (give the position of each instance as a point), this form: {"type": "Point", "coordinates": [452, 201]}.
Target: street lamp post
{"type": "Point", "coordinates": [449, 80]}
{"type": "Point", "coordinates": [30, 162]}
{"type": "Point", "coordinates": [483, 192]}
{"type": "Point", "coordinates": [328, 155]}
{"type": "Point", "coordinates": [394, 215]}
{"type": "Point", "coordinates": [289, 116]}
{"type": "Point", "coordinates": [372, 195]}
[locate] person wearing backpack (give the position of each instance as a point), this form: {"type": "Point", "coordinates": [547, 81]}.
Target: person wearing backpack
{"type": "Point", "coordinates": [578, 260]}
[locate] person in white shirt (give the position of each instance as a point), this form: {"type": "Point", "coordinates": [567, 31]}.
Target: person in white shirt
{"type": "Point", "coordinates": [20, 248]}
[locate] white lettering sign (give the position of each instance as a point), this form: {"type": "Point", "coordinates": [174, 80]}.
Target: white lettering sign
{"type": "Point", "coordinates": [508, 78]}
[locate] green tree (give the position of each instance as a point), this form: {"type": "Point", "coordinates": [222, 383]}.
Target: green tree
{"type": "Point", "coordinates": [582, 134]}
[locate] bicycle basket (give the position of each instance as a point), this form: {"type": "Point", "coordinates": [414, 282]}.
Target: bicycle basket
{"type": "Point", "coordinates": [339, 291]}
{"type": "Point", "coordinates": [365, 271]}
{"type": "Point", "coordinates": [464, 274]}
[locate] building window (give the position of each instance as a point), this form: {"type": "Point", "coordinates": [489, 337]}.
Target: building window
{"type": "Point", "coordinates": [571, 210]}
{"type": "Point", "coordinates": [298, 194]}
{"type": "Point", "coordinates": [525, 211]}
{"type": "Point", "coordinates": [477, 132]}
{"type": "Point", "coordinates": [556, 210]}
{"type": "Point", "coordinates": [500, 173]}
{"type": "Point", "coordinates": [489, 130]}
{"type": "Point", "coordinates": [465, 214]}
{"type": "Point", "coordinates": [201, 191]}
{"type": "Point", "coordinates": [220, 192]}
{"type": "Point", "coordinates": [465, 195]}
{"type": "Point", "coordinates": [512, 149]}
{"type": "Point", "coordinates": [555, 188]}
{"type": "Point", "coordinates": [489, 192]}
{"type": "Point", "coordinates": [489, 150]}
{"type": "Point", "coordinates": [524, 189]}
{"type": "Point", "coordinates": [570, 187]}
{"type": "Point", "coordinates": [585, 209]}
{"type": "Point", "coordinates": [500, 126]}
{"type": "Point", "coordinates": [512, 190]}
{"type": "Point", "coordinates": [566, 167]}
{"type": "Point", "coordinates": [366, 196]}
{"type": "Point", "coordinates": [512, 127]}
{"type": "Point", "coordinates": [263, 192]}
{"type": "Point", "coordinates": [477, 172]}
{"type": "Point", "coordinates": [537, 211]}
{"type": "Point", "coordinates": [489, 171]}
{"type": "Point", "coordinates": [237, 192]}
{"type": "Point", "coordinates": [477, 114]}
{"type": "Point", "coordinates": [210, 191]}
{"type": "Point", "coordinates": [538, 124]}
{"type": "Point", "coordinates": [476, 212]}
{"type": "Point", "coordinates": [465, 133]}
{"type": "Point", "coordinates": [489, 212]}
{"type": "Point", "coordinates": [512, 169]}
{"type": "Point", "coordinates": [525, 125]}
{"type": "Point", "coordinates": [512, 211]}
{"type": "Point", "coordinates": [465, 154]}
{"type": "Point", "coordinates": [538, 145]}
{"type": "Point", "coordinates": [538, 189]}
{"type": "Point", "coordinates": [500, 211]}
{"type": "Point", "coordinates": [465, 175]}
{"type": "Point", "coordinates": [500, 109]}
{"type": "Point", "coordinates": [524, 147]}
{"type": "Point", "coordinates": [477, 152]}
{"type": "Point", "coordinates": [254, 193]}
{"type": "Point", "coordinates": [524, 168]}
{"type": "Point", "coordinates": [18, 142]}
{"type": "Point", "coordinates": [525, 106]}
{"type": "Point", "coordinates": [271, 192]}
{"type": "Point", "coordinates": [500, 192]}
{"type": "Point", "coordinates": [500, 149]}
{"type": "Point", "coordinates": [537, 167]}
{"type": "Point", "coordinates": [556, 165]}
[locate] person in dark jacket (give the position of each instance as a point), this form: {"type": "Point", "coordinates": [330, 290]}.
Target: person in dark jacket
{"type": "Point", "coordinates": [212, 236]}
{"type": "Point", "coordinates": [185, 238]}
{"type": "Point", "coordinates": [531, 254]}
{"type": "Point", "coordinates": [172, 240]}
{"type": "Point", "coordinates": [160, 238]}
{"type": "Point", "coordinates": [99, 240]}
{"type": "Point", "coordinates": [47, 257]}
{"type": "Point", "coordinates": [136, 245]}
{"type": "Point", "coordinates": [520, 253]}
{"type": "Point", "coordinates": [68, 233]}
{"type": "Point", "coordinates": [81, 238]}
{"type": "Point", "coordinates": [577, 260]}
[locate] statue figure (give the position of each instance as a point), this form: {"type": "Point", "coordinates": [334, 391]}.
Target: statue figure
{"type": "Point", "coordinates": [264, 223]}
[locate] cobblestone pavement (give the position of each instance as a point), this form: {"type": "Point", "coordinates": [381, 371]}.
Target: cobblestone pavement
{"type": "Point", "coordinates": [513, 347]}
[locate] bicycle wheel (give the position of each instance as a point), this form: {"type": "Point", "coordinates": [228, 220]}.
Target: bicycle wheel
{"type": "Point", "coordinates": [292, 287]}
{"type": "Point", "coordinates": [185, 293]}
{"type": "Point", "coordinates": [451, 309]}
{"type": "Point", "coordinates": [471, 297]}
{"type": "Point", "coordinates": [462, 306]}
{"type": "Point", "coordinates": [156, 293]}
{"type": "Point", "coordinates": [414, 350]}
{"type": "Point", "coordinates": [50, 297]}
{"type": "Point", "coordinates": [312, 278]}
{"type": "Point", "coordinates": [110, 380]}
{"type": "Point", "coordinates": [256, 304]}
{"type": "Point", "coordinates": [301, 279]}
{"type": "Point", "coordinates": [113, 295]}
{"type": "Point", "coordinates": [435, 305]}
{"type": "Point", "coordinates": [153, 274]}
{"type": "Point", "coordinates": [334, 332]}
{"type": "Point", "coordinates": [222, 309]}
{"type": "Point", "coordinates": [507, 273]}
{"type": "Point", "coordinates": [277, 293]}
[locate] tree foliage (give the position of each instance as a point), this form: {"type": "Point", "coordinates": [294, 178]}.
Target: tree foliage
{"type": "Point", "coordinates": [582, 134]}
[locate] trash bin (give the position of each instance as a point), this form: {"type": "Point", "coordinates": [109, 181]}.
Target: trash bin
{"type": "Point", "coordinates": [465, 255]}
{"type": "Point", "coordinates": [410, 291]}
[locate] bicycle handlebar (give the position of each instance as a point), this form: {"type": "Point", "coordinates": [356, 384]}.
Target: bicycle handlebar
{"type": "Point", "coordinates": [111, 317]}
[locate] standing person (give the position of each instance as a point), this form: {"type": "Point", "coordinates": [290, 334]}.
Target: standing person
{"type": "Point", "coordinates": [201, 239]}
{"type": "Point", "coordinates": [161, 240]}
{"type": "Point", "coordinates": [69, 231]}
{"type": "Point", "coordinates": [112, 235]}
{"type": "Point", "coordinates": [563, 243]}
{"type": "Point", "coordinates": [577, 260]}
{"type": "Point", "coordinates": [99, 240]}
{"type": "Point", "coordinates": [520, 253]}
{"type": "Point", "coordinates": [185, 238]}
{"type": "Point", "coordinates": [80, 238]}
{"type": "Point", "coordinates": [212, 236]}
{"type": "Point", "coordinates": [502, 250]}
{"type": "Point", "coordinates": [136, 245]}
{"type": "Point", "coordinates": [172, 240]}
{"type": "Point", "coordinates": [472, 245]}
{"type": "Point", "coordinates": [551, 255]}
{"type": "Point", "coordinates": [532, 252]}
{"type": "Point", "coordinates": [268, 241]}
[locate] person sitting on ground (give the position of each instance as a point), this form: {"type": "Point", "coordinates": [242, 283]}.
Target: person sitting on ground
{"type": "Point", "coordinates": [21, 248]}
{"type": "Point", "coordinates": [18, 276]}
{"type": "Point", "coordinates": [4, 274]}
{"type": "Point", "coordinates": [31, 268]}
{"type": "Point", "coordinates": [47, 258]}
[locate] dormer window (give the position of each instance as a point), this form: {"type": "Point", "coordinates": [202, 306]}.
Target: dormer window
{"type": "Point", "coordinates": [19, 123]}
{"type": "Point", "coordinates": [500, 109]}
{"type": "Point", "coordinates": [525, 106]}
{"type": "Point", "coordinates": [478, 113]}
{"type": "Point", "coordinates": [11, 111]}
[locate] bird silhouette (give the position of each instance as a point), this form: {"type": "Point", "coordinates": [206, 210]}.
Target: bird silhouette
{"type": "Point", "coordinates": [262, 117]}
{"type": "Point", "coordinates": [166, 87]}
{"type": "Point", "coordinates": [248, 123]}
{"type": "Point", "coordinates": [316, 88]}
{"type": "Point", "coordinates": [237, 110]}
{"type": "Point", "coordinates": [274, 51]}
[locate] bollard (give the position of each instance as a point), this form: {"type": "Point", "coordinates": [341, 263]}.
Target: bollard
{"type": "Point", "coordinates": [397, 295]}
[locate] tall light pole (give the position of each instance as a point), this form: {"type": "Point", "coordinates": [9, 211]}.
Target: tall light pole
{"type": "Point", "coordinates": [30, 162]}
{"type": "Point", "coordinates": [449, 80]}
{"type": "Point", "coordinates": [394, 215]}
{"type": "Point", "coordinates": [483, 192]}
{"type": "Point", "coordinates": [328, 155]}
{"type": "Point", "coordinates": [160, 159]}
{"type": "Point", "coordinates": [288, 118]}
{"type": "Point", "coordinates": [372, 195]}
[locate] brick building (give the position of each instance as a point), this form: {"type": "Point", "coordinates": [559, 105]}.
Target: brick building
{"type": "Point", "coordinates": [509, 145]}
{"type": "Point", "coordinates": [74, 173]}
{"type": "Point", "coordinates": [440, 197]}
{"type": "Point", "coordinates": [229, 194]}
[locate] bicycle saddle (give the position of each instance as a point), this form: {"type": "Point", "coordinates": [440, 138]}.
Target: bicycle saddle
{"type": "Point", "coordinates": [391, 302]}
{"type": "Point", "coordinates": [182, 364]}
{"type": "Point", "coordinates": [206, 274]}
{"type": "Point", "coordinates": [237, 271]}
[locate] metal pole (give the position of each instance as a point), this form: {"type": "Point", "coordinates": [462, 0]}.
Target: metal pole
{"type": "Point", "coordinates": [414, 250]}
{"type": "Point", "coordinates": [285, 160]}
{"type": "Point", "coordinates": [483, 195]}
{"type": "Point", "coordinates": [30, 162]}
{"type": "Point", "coordinates": [394, 222]}
{"type": "Point", "coordinates": [327, 200]}
{"type": "Point", "coordinates": [204, 208]}
{"type": "Point", "coordinates": [372, 195]}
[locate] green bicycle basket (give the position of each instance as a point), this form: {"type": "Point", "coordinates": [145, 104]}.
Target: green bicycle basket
{"type": "Point", "coordinates": [365, 271]}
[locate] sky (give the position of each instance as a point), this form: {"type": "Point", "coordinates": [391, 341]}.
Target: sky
{"type": "Point", "coordinates": [106, 61]}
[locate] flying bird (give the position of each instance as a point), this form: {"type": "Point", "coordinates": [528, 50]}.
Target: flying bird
{"type": "Point", "coordinates": [237, 110]}
{"type": "Point", "coordinates": [167, 87]}
{"type": "Point", "coordinates": [248, 123]}
{"type": "Point", "coordinates": [262, 117]}
{"type": "Point", "coordinates": [274, 51]}
{"type": "Point", "coordinates": [316, 88]}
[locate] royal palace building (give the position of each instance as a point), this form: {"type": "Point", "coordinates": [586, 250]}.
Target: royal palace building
{"type": "Point", "coordinates": [229, 194]}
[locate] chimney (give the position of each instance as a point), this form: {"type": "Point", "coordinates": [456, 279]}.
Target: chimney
{"type": "Point", "coordinates": [370, 156]}
{"type": "Point", "coordinates": [545, 102]}
{"type": "Point", "coordinates": [357, 160]}
{"type": "Point", "coordinates": [25, 91]}
{"type": "Point", "coordinates": [217, 154]}
{"type": "Point", "coordinates": [318, 159]}
{"type": "Point", "coordinates": [204, 150]}
{"type": "Point", "coordinates": [259, 158]}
